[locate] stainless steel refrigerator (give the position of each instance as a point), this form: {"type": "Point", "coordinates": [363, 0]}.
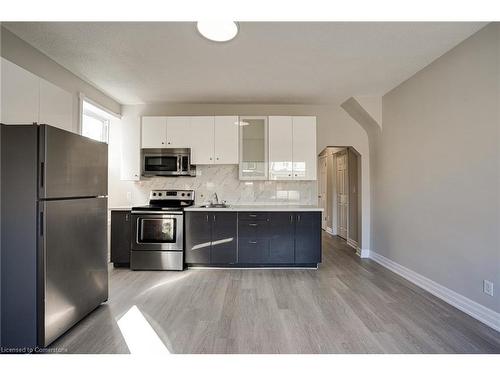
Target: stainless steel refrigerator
{"type": "Point", "coordinates": [53, 232]}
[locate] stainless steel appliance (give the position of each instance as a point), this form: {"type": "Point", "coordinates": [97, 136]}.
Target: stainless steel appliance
{"type": "Point", "coordinates": [167, 162]}
{"type": "Point", "coordinates": [54, 232]}
{"type": "Point", "coordinates": [158, 231]}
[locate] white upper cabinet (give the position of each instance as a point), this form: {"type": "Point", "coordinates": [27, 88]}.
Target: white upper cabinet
{"type": "Point", "coordinates": [130, 168]}
{"type": "Point", "coordinates": [27, 98]}
{"type": "Point", "coordinates": [20, 95]}
{"type": "Point", "coordinates": [214, 140]}
{"type": "Point", "coordinates": [304, 148]}
{"type": "Point", "coordinates": [226, 140]}
{"type": "Point", "coordinates": [292, 148]}
{"type": "Point", "coordinates": [202, 139]}
{"type": "Point", "coordinates": [280, 148]}
{"type": "Point", "coordinates": [56, 107]}
{"type": "Point", "coordinates": [154, 132]}
{"type": "Point", "coordinates": [178, 135]}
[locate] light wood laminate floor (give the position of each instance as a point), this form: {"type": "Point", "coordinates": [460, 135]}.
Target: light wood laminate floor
{"type": "Point", "coordinates": [348, 305]}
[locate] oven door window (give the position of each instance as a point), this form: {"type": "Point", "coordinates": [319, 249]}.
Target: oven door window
{"type": "Point", "coordinates": [160, 163]}
{"type": "Point", "coordinates": [161, 230]}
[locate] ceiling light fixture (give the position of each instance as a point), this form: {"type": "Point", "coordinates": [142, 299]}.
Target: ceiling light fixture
{"type": "Point", "coordinates": [217, 31]}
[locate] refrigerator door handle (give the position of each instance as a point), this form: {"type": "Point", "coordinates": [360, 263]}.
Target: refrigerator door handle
{"type": "Point", "coordinates": [42, 173]}
{"type": "Point", "coordinates": [41, 223]}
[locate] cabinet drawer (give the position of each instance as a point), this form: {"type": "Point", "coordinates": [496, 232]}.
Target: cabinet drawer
{"type": "Point", "coordinates": [253, 215]}
{"type": "Point", "coordinates": [253, 251]}
{"type": "Point", "coordinates": [252, 229]}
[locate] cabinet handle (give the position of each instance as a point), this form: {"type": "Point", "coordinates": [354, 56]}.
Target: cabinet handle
{"type": "Point", "coordinates": [168, 142]}
{"type": "Point", "coordinates": [252, 242]}
{"type": "Point", "coordinates": [210, 158]}
{"type": "Point", "coordinates": [214, 218]}
{"type": "Point", "coordinates": [252, 215]}
{"type": "Point", "coordinates": [207, 218]}
{"type": "Point", "coordinates": [291, 218]}
{"type": "Point", "coordinates": [298, 217]}
{"type": "Point", "coordinates": [126, 217]}
{"type": "Point", "coordinates": [253, 224]}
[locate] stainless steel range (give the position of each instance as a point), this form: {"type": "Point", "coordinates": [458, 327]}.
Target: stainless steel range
{"type": "Point", "coordinates": [158, 231]}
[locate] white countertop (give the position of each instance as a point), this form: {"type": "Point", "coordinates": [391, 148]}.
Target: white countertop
{"type": "Point", "coordinates": [242, 208]}
{"type": "Point", "coordinates": [120, 208]}
{"type": "Point", "coordinates": [258, 208]}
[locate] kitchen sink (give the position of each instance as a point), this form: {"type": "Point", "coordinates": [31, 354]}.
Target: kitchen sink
{"type": "Point", "coordinates": [215, 205]}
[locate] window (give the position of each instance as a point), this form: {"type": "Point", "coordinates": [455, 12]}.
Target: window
{"type": "Point", "coordinates": [95, 122]}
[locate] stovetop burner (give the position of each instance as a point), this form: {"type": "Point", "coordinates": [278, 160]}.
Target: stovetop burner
{"type": "Point", "coordinates": [153, 207]}
{"type": "Point", "coordinates": [168, 200]}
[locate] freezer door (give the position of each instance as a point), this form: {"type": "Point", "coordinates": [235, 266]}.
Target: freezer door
{"type": "Point", "coordinates": [71, 165]}
{"type": "Point", "coordinates": [74, 252]}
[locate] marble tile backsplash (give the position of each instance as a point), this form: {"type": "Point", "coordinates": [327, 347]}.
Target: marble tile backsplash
{"type": "Point", "coordinates": [224, 180]}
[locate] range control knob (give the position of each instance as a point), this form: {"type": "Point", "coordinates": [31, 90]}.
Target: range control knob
{"type": "Point", "coordinates": [159, 194]}
{"type": "Point", "coordinates": [154, 194]}
{"type": "Point", "coordinates": [183, 194]}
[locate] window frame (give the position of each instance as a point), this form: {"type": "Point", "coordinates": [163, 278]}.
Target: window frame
{"type": "Point", "coordinates": [91, 109]}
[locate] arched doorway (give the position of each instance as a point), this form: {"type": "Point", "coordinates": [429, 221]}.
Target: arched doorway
{"type": "Point", "coordinates": [339, 193]}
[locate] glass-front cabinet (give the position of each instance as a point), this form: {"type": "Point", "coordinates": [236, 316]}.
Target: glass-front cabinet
{"type": "Point", "coordinates": [253, 147]}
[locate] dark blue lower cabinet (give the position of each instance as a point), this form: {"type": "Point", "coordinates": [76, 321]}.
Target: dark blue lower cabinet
{"type": "Point", "coordinates": [253, 243]}
{"type": "Point", "coordinates": [253, 239]}
{"type": "Point", "coordinates": [198, 237]}
{"type": "Point", "coordinates": [253, 251]}
{"type": "Point", "coordinates": [307, 237]}
{"type": "Point", "coordinates": [211, 238]}
{"type": "Point", "coordinates": [281, 237]}
{"type": "Point", "coordinates": [224, 238]}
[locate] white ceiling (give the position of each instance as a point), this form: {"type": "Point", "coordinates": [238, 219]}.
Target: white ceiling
{"type": "Point", "coordinates": [322, 62]}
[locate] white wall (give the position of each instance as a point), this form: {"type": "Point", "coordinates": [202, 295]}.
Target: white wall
{"type": "Point", "coordinates": [436, 173]}
{"type": "Point", "coordinates": [334, 128]}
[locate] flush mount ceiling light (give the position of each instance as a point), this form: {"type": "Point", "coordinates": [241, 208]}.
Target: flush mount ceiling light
{"type": "Point", "coordinates": [217, 31]}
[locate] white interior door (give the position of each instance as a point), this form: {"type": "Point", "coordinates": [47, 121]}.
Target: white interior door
{"type": "Point", "coordinates": [154, 132]}
{"type": "Point", "coordinates": [280, 147]}
{"type": "Point", "coordinates": [305, 159]}
{"type": "Point", "coordinates": [226, 139]}
{"type": "Point", "coordinates": [178, 132]}
{"type": "Point", "coordinates": [342, 194]}
{"type": "Point", "coordinates": [322, 190]}
{"type": "Point", "coordinates": [202, 142]}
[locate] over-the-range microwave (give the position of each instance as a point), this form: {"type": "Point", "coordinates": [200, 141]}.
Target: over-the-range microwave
{"type": "Point", "coordinates": [167, 162]}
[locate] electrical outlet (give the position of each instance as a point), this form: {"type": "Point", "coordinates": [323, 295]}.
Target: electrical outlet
{"type": "Point", "coordinates": [488, 287]}
{"type": "Point", "coordinates": [129, 196]}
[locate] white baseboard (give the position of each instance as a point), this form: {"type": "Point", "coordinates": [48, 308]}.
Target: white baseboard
{"type": "Point", "coordinates": [363, 253]}
{"type": "Point", "coordinates": [329, 230]}
{"type": "Point", "coordinates": [482, 313]}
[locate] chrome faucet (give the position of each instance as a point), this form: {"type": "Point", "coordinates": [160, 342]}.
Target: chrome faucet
{"type": "Point", "coordinates": [215, 198]}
